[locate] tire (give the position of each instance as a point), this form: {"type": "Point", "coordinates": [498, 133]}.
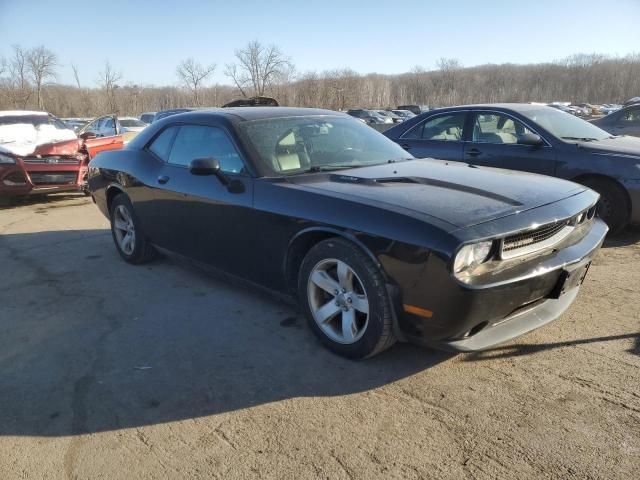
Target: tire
{"type": "Point", "coordinates": [613, 206]}
{"type": "Point", "coordinates": [371, 332]}
{"type": "Point", "coordinates": [137, 250]}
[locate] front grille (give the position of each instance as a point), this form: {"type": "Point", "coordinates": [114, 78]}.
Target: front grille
{"type": "Point", "coordinates": [540, 234]}
{"type": "Point", "coordinates": [537, 239]}
{"type": "Point", "coordinates": [54, 178]}
{"type": "Point", "coordinates": [51, 160]}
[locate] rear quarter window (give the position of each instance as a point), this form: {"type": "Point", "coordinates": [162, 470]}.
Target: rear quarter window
{"type": "Point", "coordinates": [161, 145]}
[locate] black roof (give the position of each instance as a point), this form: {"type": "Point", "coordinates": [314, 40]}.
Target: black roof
{"type": "Point", "coordinates": [258, 113]}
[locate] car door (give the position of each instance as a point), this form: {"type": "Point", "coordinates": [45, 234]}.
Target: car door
{"type": "Point", "coordinates": [493, 142]}
{"type": "Point", "coordinates": [198, 216]}
{"type": "Point", "coordinates": [439, 136]}
{"type": "Point", "coordinates": [107, 127]}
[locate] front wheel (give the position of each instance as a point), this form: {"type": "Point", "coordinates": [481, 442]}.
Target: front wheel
{"type": "Point", "coordinates": [130, 241]}
{"type": "Point", "coordinates": [343, 294]}
{"type": "Point", "coordinates": [612, 207]}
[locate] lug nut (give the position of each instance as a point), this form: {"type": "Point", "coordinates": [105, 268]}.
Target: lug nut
{"type": "Point", "coordinates": [344, 290]}
{"type": "Point", "coordinates": [349, 300]}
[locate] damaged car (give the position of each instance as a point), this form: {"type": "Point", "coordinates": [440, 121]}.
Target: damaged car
{"type": "Point", "coordinates": [40, 154]}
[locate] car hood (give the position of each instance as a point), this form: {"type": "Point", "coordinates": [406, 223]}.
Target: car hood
{"type": "Point", "coordinates": [459, 194]}
{"type": "Point", "coordinates": [23, 139]}
{"type": "Point", "coordinates": [616, 146]}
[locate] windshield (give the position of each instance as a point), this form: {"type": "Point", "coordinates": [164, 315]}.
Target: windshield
{"type": "Point", "coordinates": [564, 125]}
{"type": "Point", "coordinates": [298, 144]}
{"type": "Point", "coordinates": [35, 120]}
{"type": "Point", "coordinates": [131, 122]}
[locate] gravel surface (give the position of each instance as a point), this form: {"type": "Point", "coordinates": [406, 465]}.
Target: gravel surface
{"type": "Point", "coordinates": [113, 371]}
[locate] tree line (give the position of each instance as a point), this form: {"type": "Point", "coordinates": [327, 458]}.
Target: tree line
{"type": "Point", "coordinates": [28, 81]}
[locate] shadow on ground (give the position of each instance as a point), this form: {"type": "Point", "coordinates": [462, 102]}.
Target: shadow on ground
{"type": "Point", "coordinates": [48, 201]}
{"type": "Point", "coordinates": [518, 350]}
{"type": "Point", "coordinates": [89, 343]}
{"type": "Point", "coordinates": [630, 236]}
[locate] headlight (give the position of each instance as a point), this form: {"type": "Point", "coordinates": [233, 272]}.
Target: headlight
{"type": "Point", "coordinates": [471, 256]}
{"type": "Point", "coordinates": [6, 159]}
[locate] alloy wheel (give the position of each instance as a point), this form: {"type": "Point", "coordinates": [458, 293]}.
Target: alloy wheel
{"type": "Point", "coordinates": [338, 301]}
{"type": "Point", "coordinates": [124, 229]}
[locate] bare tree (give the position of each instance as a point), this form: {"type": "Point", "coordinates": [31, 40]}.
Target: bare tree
{"type": "Point", "coordinates": [257, 67]}
{"type": "Point", "coordinates": [193, 76]}
{"type": "Point", "coordinates": [108, 81]}
{"type": "Point", "coordinates": [19, 90]}
{"type": "Point", "coordinates": [42, 64]}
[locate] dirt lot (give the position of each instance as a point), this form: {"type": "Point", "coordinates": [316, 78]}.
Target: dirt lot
{"type": "Point", "coordinates": [112, 371]}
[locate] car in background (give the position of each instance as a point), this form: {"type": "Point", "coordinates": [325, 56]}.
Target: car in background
{"type": "Point", "coordinates": [632, 101]}
{"type": "Point", "coordinates": [112, 125]}
{"type": "Point", "coordinates": [415, 109]}
{"type": "Point", "coordinates": [537, 139]}
{"type": "Point", "coordinates": [608, 108]}
{"type": "Point", "coordinates": [40, 154]}
{"type": "Point", "coordinates": [374, 244]}
{"type": "Point", "coordinates": [622, 122]}
{"type": "Point", "coordinates": [147, 117]}
{"type": "Point", "coordinates": [370, 117]}
{"type": "Point", "coordinates": [578, 112]}
{"type": "Point", "coordinates": [75, 123]}
{"type": "Point", "coordinates": [404, 114]}
{"type": "Point", "coordinates": [388, 113]}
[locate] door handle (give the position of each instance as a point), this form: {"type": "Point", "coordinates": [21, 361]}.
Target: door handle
{"type": "Point", "coordinates": [406, 146]}
{"type": "Point", "coordinates": [474, 152]}
{"type": "Point", "coordinates": [162, 179]}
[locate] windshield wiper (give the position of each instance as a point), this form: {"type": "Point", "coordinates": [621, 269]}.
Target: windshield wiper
{"type": "Point", "coordinates": [580, 139]}
{"type": "Point", "coordinates": [329, 168]}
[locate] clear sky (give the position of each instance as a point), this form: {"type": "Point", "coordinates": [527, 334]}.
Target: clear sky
{"type": "Point", "coordinates": [147, 39]}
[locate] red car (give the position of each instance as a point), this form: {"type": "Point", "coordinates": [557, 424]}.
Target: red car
{"type": "Point", "coordinates": [40, 154]}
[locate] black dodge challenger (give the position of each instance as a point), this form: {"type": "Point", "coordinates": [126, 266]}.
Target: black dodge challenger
{"type": "Point", "coordinates": [375, 245]}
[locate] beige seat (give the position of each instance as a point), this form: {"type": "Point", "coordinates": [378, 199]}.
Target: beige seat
{"type": "Point", "coordinates": [287, 157]}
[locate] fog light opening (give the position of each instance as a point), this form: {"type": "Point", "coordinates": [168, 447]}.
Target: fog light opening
{"type": "Point", "coordinates": [475, 330]}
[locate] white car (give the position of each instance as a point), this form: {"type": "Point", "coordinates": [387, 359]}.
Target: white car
{"type": "Point", "coordinates": [111, 125]}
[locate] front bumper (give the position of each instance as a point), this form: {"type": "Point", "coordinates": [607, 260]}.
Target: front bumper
{"type": "Point", "coordinates": [476, 317]}
{"type": "Point", "coordinates": [18, 180]}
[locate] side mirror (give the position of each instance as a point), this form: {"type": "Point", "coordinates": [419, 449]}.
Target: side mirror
{"type": "Point", "coordinates": [530, 139]}
{"type": "Point", "coordinates": [211, 166]}
{"type": "Point", "coordinates": [205, 166]}
{"type": "Point", "coordinates": [87, 135]}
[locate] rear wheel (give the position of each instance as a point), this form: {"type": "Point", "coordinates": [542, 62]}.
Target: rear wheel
{"type": "Point", "coordinates": [613, 207]}
{"type": "Point", "coordinates": [343, 294]}
{"type": "Point", "coordinates": [127, 235]}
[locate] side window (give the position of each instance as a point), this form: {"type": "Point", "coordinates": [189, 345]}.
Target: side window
{"type": "Point", "coordinates": [632, 116]}
{"type": "Point", "coordinates": [496, 128]}
{"type": "Point", "coordinates": [198, 141]}
{"type": "Point", "coordinates": [446, 128]}
{"type": "Point", "coordinates": [92, 127]}
{"type": "Point", "coordinates": [162, 143]}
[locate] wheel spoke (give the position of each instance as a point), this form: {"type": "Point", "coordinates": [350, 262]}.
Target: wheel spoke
{"type": "Point", "coordinates": [119, 224]}
{"type": "Point", "coordinates": [324, 281]}
{"type": "Point", "coordinates": [327, 311]}
{"type": "Point", "coordinates": [349, 327]}
{"type": "Point", "coordinates": [126, 242]}
{"type": "Point", "coordinates": [125, 215]}
{"type": "Point", "coordinates": [345, 276]}
{"type": "Point", "coordinates": [360, 303]}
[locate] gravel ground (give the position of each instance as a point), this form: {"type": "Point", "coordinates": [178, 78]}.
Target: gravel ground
{"type": "Point", "coordinates": [113, 371]}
